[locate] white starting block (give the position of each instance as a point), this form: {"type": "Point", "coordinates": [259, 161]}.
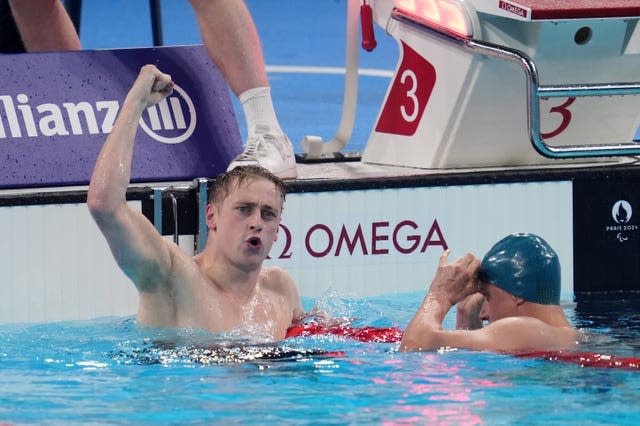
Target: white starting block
{"type": "Point", "coordinates": [503, 83]}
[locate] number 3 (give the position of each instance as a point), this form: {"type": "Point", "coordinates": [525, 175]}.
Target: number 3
{"type": "Point", "coordinates": [411, 94]}
{"type": "Point", "coordinates": [566, 118]}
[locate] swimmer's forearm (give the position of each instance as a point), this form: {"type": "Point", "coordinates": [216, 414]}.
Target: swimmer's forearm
{"type": "Point", "coordinates": [468, 312]}
{"type": "Point", "coordinates": [467, 322]}
{"type": "Point", "coordinates": [422, 333]}
{"type": "Point", "coordinates": [112, 172]}
{"type": "Point", "coordinates": [434, 308]}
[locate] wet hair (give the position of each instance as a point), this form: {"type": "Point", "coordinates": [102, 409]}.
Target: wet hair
{"type": "Point", "coordinates": [232, 179]}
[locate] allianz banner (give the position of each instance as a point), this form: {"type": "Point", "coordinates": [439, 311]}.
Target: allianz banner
{"type": "Point", "coordinates": [56, 110]}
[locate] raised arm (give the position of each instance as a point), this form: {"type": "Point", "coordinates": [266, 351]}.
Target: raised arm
{"type": "Point", "coordinates": [141, 252]}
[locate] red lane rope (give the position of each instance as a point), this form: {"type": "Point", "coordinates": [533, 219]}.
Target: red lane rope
{"type": "Point", "coordinates": [586, 359]}
{"type": "Point", "coordinates": [394, 334]}
{"type": "Point", "coordinates": [362, 334]}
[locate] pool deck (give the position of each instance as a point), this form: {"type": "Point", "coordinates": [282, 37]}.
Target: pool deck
{"type": "Point", "coordinates": [327, 174]}
{"type": "Point", "coordinates": [352, 170]}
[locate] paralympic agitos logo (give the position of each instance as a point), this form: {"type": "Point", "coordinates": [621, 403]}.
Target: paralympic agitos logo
{"type": "Point", "coordinates": [363, 239]}
{"type": "Point", "coordinates": [171, 121]}
{"type": "Point", "coordinates": [621, 213]}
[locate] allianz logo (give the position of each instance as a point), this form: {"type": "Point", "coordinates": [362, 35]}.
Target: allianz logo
{"type": "Point", "coordinates": [171, 121]}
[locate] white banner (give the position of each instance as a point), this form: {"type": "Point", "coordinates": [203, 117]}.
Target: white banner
{"type": "Point", "coordinates": [372, 242]}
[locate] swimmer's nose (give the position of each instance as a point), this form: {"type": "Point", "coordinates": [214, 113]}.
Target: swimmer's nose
{"type": "Point", "coordinates": [256, 221]}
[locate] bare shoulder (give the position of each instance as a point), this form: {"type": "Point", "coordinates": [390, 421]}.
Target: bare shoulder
{"type": "Point", "coordinates": [529, 332]}
{"type": "Point", "coordinates": [277, 279]}
{"type": "Point", "coordinates": [520, 324]}
{"type": "Point", "coordinates": [280, 282]}
{"type": "Point", "coordinates": [525, 323]}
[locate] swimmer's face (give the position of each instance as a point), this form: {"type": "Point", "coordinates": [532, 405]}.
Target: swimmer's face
{"type": "Point", "coordinates": [498, 303]}
{"type": "Point", "coordinates": [246, 221]}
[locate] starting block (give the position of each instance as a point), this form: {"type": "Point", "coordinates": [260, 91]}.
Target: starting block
{"type": "Point", "coordinates": [482, 83]}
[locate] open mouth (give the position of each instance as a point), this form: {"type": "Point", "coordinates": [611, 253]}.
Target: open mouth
{"type": "Point", "coordinates": [255, 242]}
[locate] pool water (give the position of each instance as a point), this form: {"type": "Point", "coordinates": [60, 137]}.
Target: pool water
{"type": "Point", "coordinates": [109, 371]}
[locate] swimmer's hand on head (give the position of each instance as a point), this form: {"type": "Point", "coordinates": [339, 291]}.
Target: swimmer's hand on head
{"type": "Point", "coordinates": [452, 283]}
{"type": "Point", "coordinates": [455, 281]}
{"type": "Point", "coordinates": [459, 281]}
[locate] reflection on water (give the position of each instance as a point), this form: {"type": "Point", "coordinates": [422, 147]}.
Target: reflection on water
{"type": "Point", "coordinates": [616, 318]}
{"type": "Point", "coordinates": [110, 371]}
{"type": "Point", "coordinates": [166, 353]}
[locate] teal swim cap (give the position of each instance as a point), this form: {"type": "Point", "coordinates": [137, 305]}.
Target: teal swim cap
{"type": "Point", "coordinates": [525, 266]}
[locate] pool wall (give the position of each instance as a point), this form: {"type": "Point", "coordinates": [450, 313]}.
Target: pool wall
{"type": "Point", "coordinates": [359, 242]}
{"type": "Point", "coordinates": [375, 241]}
{"type": "Point", "coordinates": [57, 266]}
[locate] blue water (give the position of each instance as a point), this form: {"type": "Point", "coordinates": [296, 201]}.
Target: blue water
{"type": "Point", "coordinates": [109, 371]}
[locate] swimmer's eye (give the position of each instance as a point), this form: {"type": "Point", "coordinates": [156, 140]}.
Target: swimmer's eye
{"type": "Point", "coordinates": [269, 214]}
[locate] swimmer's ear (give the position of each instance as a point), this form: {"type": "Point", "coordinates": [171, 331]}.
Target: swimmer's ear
{"type": "Point", "coordinates": [212, 216]}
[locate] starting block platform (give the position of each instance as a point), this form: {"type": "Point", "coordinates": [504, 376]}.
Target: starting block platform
{"type": "Point", "coordinates": [556, 9]}
{"type": "Point", "coordinates": [485, 83]}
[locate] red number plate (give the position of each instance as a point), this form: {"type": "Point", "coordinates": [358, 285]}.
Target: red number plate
{"type": "Point", "coordinates": [409, 95]}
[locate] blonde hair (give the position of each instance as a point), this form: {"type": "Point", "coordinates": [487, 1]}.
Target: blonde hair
{"type": "Point", "coordinates": [224, 183]}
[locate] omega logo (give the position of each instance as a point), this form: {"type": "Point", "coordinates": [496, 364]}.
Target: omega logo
{"type": "Point", "coordinates": [376, 238]}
